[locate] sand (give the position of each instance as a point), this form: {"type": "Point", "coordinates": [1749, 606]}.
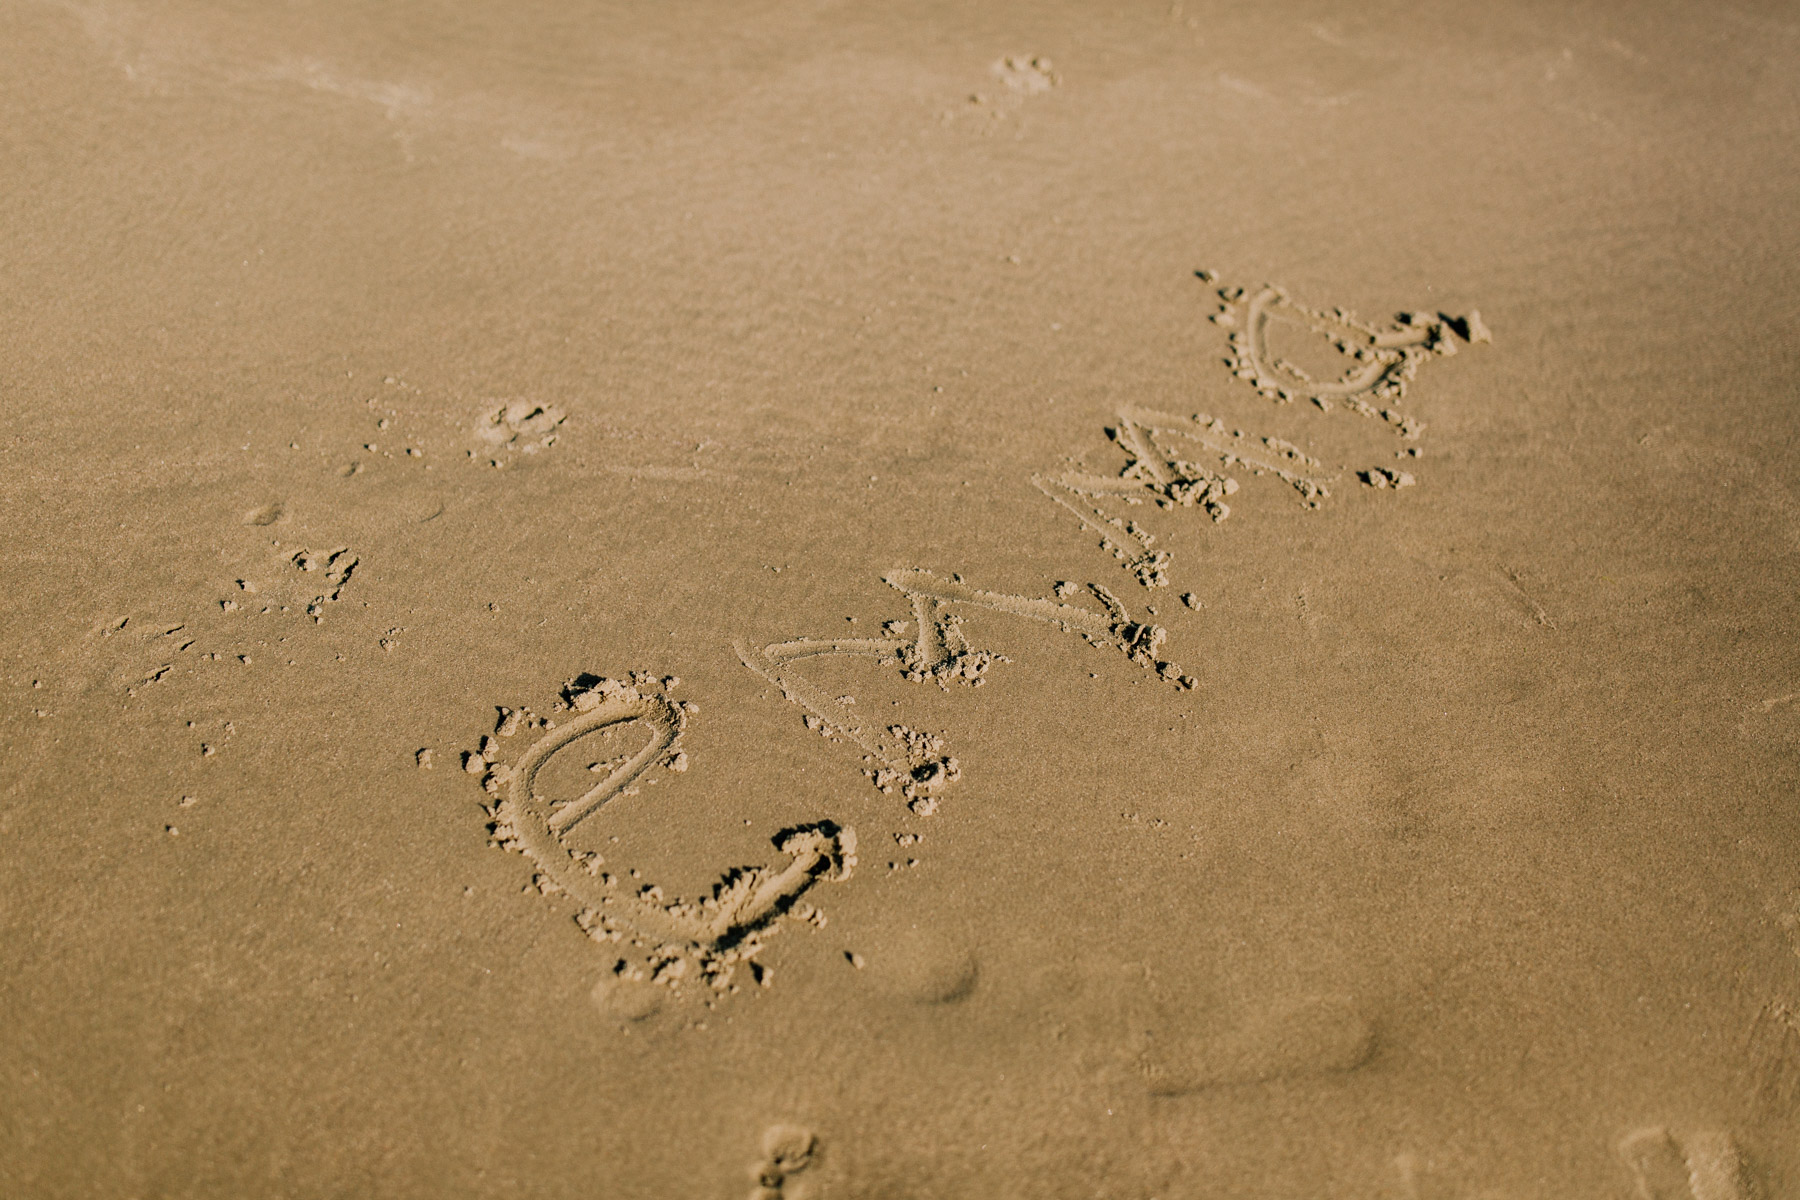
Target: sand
{"type": "Point", "coordinates": [815, 601]}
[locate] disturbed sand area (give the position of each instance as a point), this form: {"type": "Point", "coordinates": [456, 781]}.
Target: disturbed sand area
{"type": "Point", "coordinates": [817, 601]}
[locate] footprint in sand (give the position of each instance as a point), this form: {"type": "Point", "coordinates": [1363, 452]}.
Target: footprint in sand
{"type": "Point", "coordinates": [222, 626]}
{"type": "Point", "coordinates": [1024, 75]}
{"type": "Point", "coordinates": [1316, 1035]}
{"type": "Point", "coordinates": [266, 514]}
{"type": "Point", "coordinates": [1019, 77]}
{"type": "Point", "coordinates": [706, 938]}
{"type": "Point", "coordinates": [1774, 1053]}
{"type": "Point", "coordinates": [1699, 1166]}
{"type": "Point", "coordinates": [627, 1000]}
{"type": "Point", "coordinates": [922, 968]}
{"type": "Point", "coordinates": [788, 1150]}
{"type": "Point", "coordinates": [507, 427]}
{"type": "Point", "coordinates": [334, 568]}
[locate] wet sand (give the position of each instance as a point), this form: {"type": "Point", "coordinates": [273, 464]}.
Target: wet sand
{"type": "Point", "coordinates": [799, 601]}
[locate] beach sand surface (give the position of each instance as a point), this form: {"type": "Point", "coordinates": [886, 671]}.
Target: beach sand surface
{"type": "Point", "coordinates": [797, 601]}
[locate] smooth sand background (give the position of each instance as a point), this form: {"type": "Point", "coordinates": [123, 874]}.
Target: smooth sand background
{"type": "Point", "coordinates": [1496, 773]}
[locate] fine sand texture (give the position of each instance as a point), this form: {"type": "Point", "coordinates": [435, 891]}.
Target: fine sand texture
{"type": "Point", "coordinates": [921, 601]}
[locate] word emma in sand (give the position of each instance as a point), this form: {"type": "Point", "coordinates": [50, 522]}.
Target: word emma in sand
{"type": "Point", "coordinates": [1172, 461]}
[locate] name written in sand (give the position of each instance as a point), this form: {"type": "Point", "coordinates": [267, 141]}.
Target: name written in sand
{"type": "Point", "coordinates": [1172, 462]}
